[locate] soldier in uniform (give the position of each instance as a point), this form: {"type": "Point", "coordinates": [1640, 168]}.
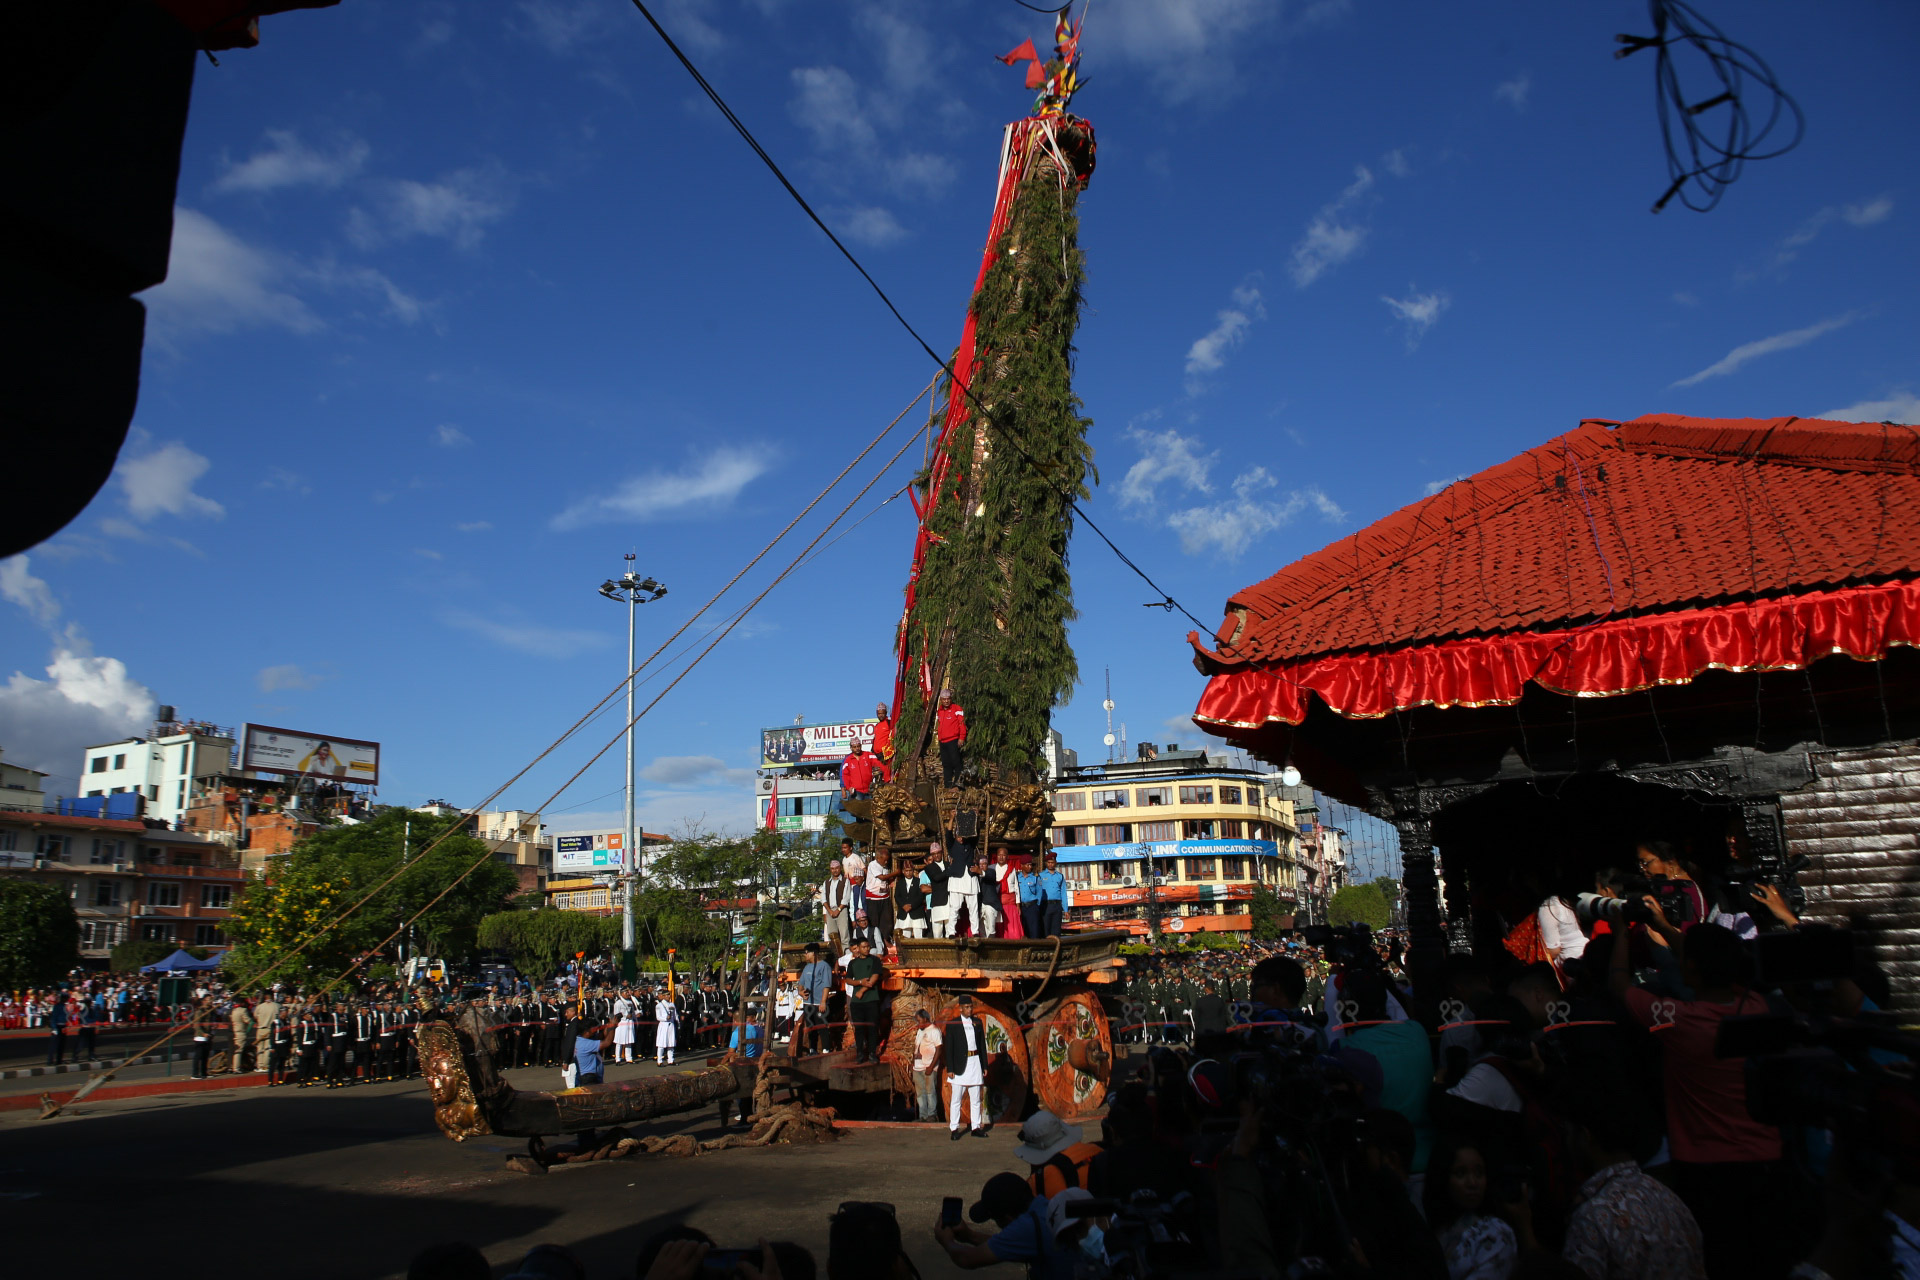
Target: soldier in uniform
{"type": "Point", "coordinates": [265, 1014]}
{"type": "Point", "coordinates": [339, 1029]}
{"type": "Point", "coordinates": [366, 1028]}
{"type": "Point", "coordinates": [552, 1022]}
{"type": "Point", "coordinates": [309, 1035]}
{"type": "Point", "coordinates": [279, 1032]}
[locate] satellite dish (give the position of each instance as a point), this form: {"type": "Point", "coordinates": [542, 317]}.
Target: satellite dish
{"type": "Point", "coordinates": [1109, 740]}
{"type": "Point", "coordinates": [1290, 776]}
{"type": "Point", "coordinates": [1107, 705]}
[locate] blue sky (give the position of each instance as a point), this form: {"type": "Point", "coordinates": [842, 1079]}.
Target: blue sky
{"type": "Point", "coordinates": [467, 301]}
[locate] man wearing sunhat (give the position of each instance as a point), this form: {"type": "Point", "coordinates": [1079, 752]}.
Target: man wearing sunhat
{"type": "Point", "coordinates": [1057, 1153]}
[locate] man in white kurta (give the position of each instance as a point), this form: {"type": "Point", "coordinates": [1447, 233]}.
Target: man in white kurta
{"type": "Point", "coordinates": [666, 1025]}
{"type": "Point", "coordinates": [966, 1053]}
{"type": "Point", "coordinates": [963, 899]}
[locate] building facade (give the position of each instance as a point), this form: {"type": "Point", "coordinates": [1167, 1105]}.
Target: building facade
{"type": "Point", "coordinates": [165, 768]}
{"type": "Point", "coordinates": [22, 790]}
{"type": "Point", "coordinates": [125, 879]}
{"type": "Point", "coordinates": [1175, 843]}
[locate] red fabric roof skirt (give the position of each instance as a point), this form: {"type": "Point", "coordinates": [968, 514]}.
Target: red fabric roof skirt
{"type": "Point", "coordinates": [1614, 656]}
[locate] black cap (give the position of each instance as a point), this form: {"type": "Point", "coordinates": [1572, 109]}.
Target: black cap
{"type": "Point", "coordinates": [1005, 1193]}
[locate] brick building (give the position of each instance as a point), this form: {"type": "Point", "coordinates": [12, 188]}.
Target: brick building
{"type": "Point", "coordinates": [125, 879]}
{"type": "Point", "coordinates": [1705, 631]}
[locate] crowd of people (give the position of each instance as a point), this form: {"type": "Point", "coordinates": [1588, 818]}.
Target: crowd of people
{"type": "Point", "coordinates": [942, 893]}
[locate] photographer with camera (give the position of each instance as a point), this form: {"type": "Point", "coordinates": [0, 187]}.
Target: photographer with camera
{"type": "Point", "coordinates": [1025, 1232]}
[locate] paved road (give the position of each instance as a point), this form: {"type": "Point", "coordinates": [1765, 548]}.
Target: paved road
{"type": "Point", "coordinates": [352, 1182]}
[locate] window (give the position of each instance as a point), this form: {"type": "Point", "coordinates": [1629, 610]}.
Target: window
{"type": "Point", "coordinates": [153, 794]}
{"type": "Point", "coordinates": [92, 794]}
{"type": "Point", "coordinates": [106, 893]}
{"type": "Point", "coordinates": [1197, 829]}
{"type": "Point", "coordinates": [107, 852]}
{"type": "Point", "coordinates": [119, 762]}
{"type": "Point", "coordinates": [1196, 795]}
{"type": "Point", "coordinates": [150, 854]}
{"type": "Point", "coordinates": [1233, 868]}
{"type": "Point", "coordinates": [157, 932]}
{"type": "Point", "coordinates": [1069, 801]}
{"type": "Point", "coordinates": [1153, 795]}
{"type": "Point", "coordinates": [1115, 872]}
{"type": "Point", "coordinates": [1078, 874]}
{"type": "Point", "coordinates": [99, 934]}
{"type": "Point", "coordinates": [1231, 828]}
{"type": "Point", "coordinates": [1167, 868]}
{"type": "Point", "coordinates": [53, 848]}
{"type": "Point", "coordinates": [1110, 799]}
{"type": "Point", "coordinates": [217, 896]}
{"type": "Point", "coordinates": [9, 840]}
{"type": "Point", "coordinates": [1157, 830]}
{"type": "Point", "coordinates": [99, 765]}
{"type": "Point", "coordinates": [561, 901]}
{"type": "Point", "coordinates": [185, 858]}
{"type": "Point", "coordinates": [1115, 833]}
{"type": "Point", "coordinates": [1229, 795]}
{"type": "Point", "coordinates": [206, 935]}
{"type": "Point", "coordinates": [1202, 868]}
{"type": "Point", "coordinates": [163, 893]}
{"type": "Point", "coordinates": [1068, 835]}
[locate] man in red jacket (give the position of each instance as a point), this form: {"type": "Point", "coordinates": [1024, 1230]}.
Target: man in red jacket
{"type": "Point", "coordinates": [883, 742]}
{"type": "Point", "coordinates": [953, 731]}
{"type": "Point", "coordinates": [856, 773]}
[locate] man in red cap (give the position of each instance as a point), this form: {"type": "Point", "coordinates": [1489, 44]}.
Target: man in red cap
{"type": "Point", "coordinates": [952, 723]}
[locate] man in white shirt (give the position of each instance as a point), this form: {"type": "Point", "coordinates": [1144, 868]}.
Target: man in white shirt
{"type": "Point", "coordinates": [836, 908]}
{"type": "Point", "coordinates": [926, 1071]}
{"type": "Point", "coordinates": [965, 1045]}
{"type": "Point", "coordinates": [963, 899]}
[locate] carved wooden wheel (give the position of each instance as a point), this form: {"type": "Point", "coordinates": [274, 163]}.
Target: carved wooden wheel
{"type": "Point", "coordinates": [1006, 1069]}
{"type": "Point", "coordinates": [1070, 1047]}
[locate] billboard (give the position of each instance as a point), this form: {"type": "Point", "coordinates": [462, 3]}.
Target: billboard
{"type": "Point", "coordinates": [589, 851]}
{"type": "Point", "coordinates": [266, 749]}
{"type": "Point", "coordinates": [812, 743]}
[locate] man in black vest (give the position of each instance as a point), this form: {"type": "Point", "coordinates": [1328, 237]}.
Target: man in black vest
{"type": "Point", "coordinates": [965, 1046]}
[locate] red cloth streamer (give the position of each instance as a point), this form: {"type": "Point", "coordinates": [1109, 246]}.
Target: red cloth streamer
{"type": "Point", "coordinates": [1620, 655]}
{"type": "Point", "coordinates": [1025, 53]}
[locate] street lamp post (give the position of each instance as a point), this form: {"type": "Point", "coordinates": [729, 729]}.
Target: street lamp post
{"type": "Point", "coordinates": [633, 590]}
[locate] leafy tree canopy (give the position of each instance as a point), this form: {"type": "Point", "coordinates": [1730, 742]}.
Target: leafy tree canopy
{"type": "Point", "coordinates": [1266, 911]}
{"type": "Point", "coordinates": [1362, 902]}
{"type": "Point", "coordinates": [39, 934]}
{"type": "Point", "coordinates": [336, 867]}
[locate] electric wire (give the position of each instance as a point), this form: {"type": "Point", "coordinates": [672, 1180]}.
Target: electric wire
{"type": "Point", "coordinates": [946, 365]}
{"type": "Point", "coordinates": [1701, 168]}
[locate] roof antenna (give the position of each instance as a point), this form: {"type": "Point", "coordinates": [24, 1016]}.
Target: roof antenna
{"type": "Point", "coordinates": [1108, 704]}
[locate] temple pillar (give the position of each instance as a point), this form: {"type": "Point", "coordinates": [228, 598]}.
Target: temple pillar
{"type": "Point", "coordinates": [1426, 936]}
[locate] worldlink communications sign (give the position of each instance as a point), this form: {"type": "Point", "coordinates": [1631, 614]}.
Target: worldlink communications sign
{"type": "Point", "coordinates": [587, 852]}
{"type": "Point", "coordinates": [297, 754]}
{"type": "Point", "coordinates": [1167, 849]}
{"type": "Point", "coordinates": [812, 743]}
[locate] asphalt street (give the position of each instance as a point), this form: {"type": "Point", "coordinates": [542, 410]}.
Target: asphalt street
{"type": "Point", "coordinates": [352, 1182]}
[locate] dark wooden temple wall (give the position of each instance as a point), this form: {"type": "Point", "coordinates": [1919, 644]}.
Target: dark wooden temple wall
{"type": "Point", "coordinates": [1859, 822]}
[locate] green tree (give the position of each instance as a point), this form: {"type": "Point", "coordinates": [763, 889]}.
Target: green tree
{"type": "Point", "coordinates": [1389, 889]}
{"type": "Point", "coordinates": [39, 934]}
{"type": "Point", "coordinates": [541, 942]}
{"type": "Point", "coordinates": [338, 866]}
{"type": "Point", "coordinates": [1362, 902]}
{"type": "Point", "coordinates": [131, 955]}
{"type": "Point", "coordinates": [1266, 911]}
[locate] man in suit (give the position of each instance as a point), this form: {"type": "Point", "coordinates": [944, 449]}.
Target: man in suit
{"type": "Point", "coordinates": [965, 1047]}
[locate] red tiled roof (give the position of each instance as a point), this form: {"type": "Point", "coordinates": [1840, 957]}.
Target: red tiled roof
{"type": "Point", "coordinates": [72, 820]}
{"type": "Point", "coordinates": [1610, 520]}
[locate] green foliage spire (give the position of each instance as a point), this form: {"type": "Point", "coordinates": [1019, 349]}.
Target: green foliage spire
{"type": "Point", "coordinates": [995, 596]}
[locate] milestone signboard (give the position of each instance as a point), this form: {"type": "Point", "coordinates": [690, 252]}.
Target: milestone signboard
{"type": "Point", "coordinates": [812, 743]}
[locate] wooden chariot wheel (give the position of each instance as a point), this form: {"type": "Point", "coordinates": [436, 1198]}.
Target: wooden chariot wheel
{"type": "Point", "coordinates": [1070, 1049]}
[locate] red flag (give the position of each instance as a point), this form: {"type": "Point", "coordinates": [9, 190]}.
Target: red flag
{"type": "Point", "coordinates": [1024, 53]}
{"type": "Point", "coordinates": [1036, 75]}
{"type": "Point", "coordinates": [772, 802]}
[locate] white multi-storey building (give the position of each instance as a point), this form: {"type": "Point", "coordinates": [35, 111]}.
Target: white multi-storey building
{"type": "Point", "coordinates": [165, 767]}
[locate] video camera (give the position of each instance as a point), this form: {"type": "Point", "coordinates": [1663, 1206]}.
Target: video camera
{"type": "Point", "coordinates": [1628, 909]}
{"type": "Point", "coordinates": [1143, 1234]}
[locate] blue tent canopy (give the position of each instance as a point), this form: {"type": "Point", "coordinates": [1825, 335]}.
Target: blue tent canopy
{"type": "Point", "coordinates": [180, 960]}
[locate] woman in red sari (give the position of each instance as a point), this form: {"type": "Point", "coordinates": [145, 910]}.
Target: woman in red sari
{"type": "Point", "coordinates": [1003, 874]}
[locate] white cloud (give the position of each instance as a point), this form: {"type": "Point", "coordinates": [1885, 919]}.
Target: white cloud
{"type": "Point", "coordinates": [1395, 163]}
{"type": "Point", "coordinates": [287, 675]}
{"type": "Point", "coordinates": [1684, 299]}
{"type": "Point", "coordinates": [1902, 407]}
{"type": "Point", "coordinates": [287, 481]}
{"type": "Point", "coordinates": [1878, 209]}
{"type": "Point", "coordinates": [871, 225]}
{"type": "Point", "coordinates": [826, 104]}
{"type": "Point", "coordinates": [474, 526]}
{"type": "Point", "coordinates": [1419, 312]}
{"type": "Point", "coordinates": [456, 207]}
{"type": "Point", "coordinates": [19, 586]}
{"type": "Point", "coordinates": [1209, 351]}
{"type": "Point", "coordinates": [545, 642]}
{"type": "Point", "coordinates": [686, 771]}
{"type": "Point", "coordinates": [289, 162]}
{"type": "Point", "coordinates": [1228, 525]}
{"type": "Point", "coordinates": [216, 283]}
{"type": "Point", "coordinates": [1335, 234]}
{"type": "Point", "coordinates": [448, 436]}
{"type": "Point", "coordinates": [1435, 486]}
{"type": "Point", "coordinates": [1190, 50]}
{"type": "Point", "coordinates": [707, 484]}
{"type": "Point", "coordinates": [563, 27]}
{"type": "Point", "coordinates": [1515, 90]}
{"type": "Point", "coordinates": [162, 482]}
{"type": "Point", "coordinates": [1740, 355]}
{"type": "Point", "coordinates": [428, 553]}
{"type": "Point", "coordinates": [86, 700]}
